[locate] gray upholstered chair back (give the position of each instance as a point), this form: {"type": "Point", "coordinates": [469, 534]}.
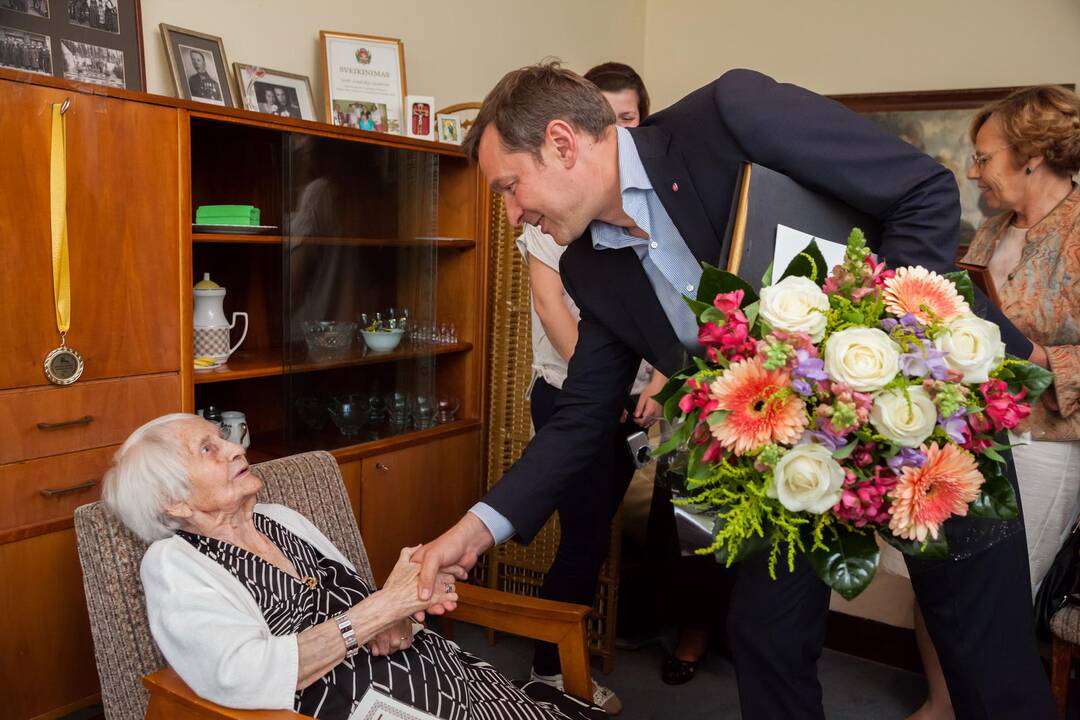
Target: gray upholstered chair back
{"type": "Point", "coordinates": [110, 555]}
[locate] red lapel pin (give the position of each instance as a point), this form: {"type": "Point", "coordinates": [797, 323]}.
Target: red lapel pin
{"type": "Point", "coordinates": [674, 187]}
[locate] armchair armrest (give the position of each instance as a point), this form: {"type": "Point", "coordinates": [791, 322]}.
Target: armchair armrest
{"type": "Point", "coordinates": [172, 699]}
{"type": "Point", "coordinates": [556, 622]}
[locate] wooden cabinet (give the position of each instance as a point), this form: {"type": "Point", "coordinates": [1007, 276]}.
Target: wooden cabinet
{"type": "Point", "coordinates": [123, 177]}
{"type": "Point", "coordinates": [123, 208]}
{"type": "Point", "coordinates": [410, 496]}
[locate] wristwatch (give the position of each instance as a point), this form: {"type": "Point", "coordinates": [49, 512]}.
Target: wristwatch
{"type": "Point", "coordinates": [348, 635]}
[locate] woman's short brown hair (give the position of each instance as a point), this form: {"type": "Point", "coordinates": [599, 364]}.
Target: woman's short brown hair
{"type": "Point", "coordinates": [615, 77]}
{"type": "Point", "coordinates": [1043, 120]}
{"type": "Point", "coordinates": [523, 103]}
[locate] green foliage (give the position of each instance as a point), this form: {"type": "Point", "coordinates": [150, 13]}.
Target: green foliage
{"type": "Point", "coordinates": [962, 281]}
{"type": "Point", "coordinates": [929, 549]}
{"type": "Point", "coordinates": [715, 281]}
{"type": "Point", "coordinates": [1021, 374]}
{"type": "Point", "coordinates": [997, 500]}
{"type": "Point", "coordinates": [810, 263]}
{"type": "Point", "coordinates": [849, 562]}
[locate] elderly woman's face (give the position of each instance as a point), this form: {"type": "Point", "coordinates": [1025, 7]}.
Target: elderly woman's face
{"type": "Point", "coordinates": [218, 471]}
{"type": "Point", "coordinates": [995, 168]}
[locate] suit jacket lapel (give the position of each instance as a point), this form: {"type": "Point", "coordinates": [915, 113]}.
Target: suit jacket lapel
{"type": "Point", "coordinates": [672, 184]}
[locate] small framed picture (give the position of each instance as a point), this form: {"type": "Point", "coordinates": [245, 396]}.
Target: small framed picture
{"type": "Point", "coordinates": [364, 81]}
{"type": "Point", "coordinates": [198, 65]}
{"type": "Point", "coordinates": [420, 117]}
{"type": "Point", "coordinates": [24, 50]}
{"type": "Point", "coordinates": [275, 92]}
{"type": "Point", "coordinates": [449, 129]}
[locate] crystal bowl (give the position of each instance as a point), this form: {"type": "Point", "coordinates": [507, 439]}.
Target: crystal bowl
{"type": "Point", "coordinates": [349, 413]}
{"type": "Point", "coordinates": [383, 340]}
{"type": "Point", "coordinates": [329, 336]}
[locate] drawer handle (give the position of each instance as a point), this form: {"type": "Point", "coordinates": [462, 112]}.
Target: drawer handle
{"type": "Point", "coordinates": [84, 420]}
{"type": "Point", "coordinates": [52, 492]}
{"type": "Point", "coordinates": [382, 467]}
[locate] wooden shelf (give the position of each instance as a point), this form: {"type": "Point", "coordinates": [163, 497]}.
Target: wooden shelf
{"type": "Point", "coordinates": [253, 364]}
{"type": "Point", "coordinates": [239, 239]}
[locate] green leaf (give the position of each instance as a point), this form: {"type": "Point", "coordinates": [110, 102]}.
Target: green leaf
{"type": "Point", "coordinates": [711, 314]}
{"type": "Point", "coordinates": [678, 438]}
{"type": "Point", "coordinates": [751, 312]}
{"type": "Point", "coordinates": [994, 455]}
{"type": "Point", "coordinates": [766, 279]}
{"type": "Point", "coordinates": [930, 549]}
{"type": "Point", "coordinates": [674, 384]}
{"type": "Point", "coordinates": [845, 452]}
{"type": "Point", "coordinates": [962, 281]}
{"type": "Point", "coordinates": [697, 472]}
{"type": "Point", "coordinates": [1021, 374]}
{"type": "Point", "coordinates": [698, 308]}
{"type": "Point", "coordinates": [672, 411]}
{"type": "Point", "coordinates": [849, 564]}
{"type": "Point", "coordinates": [810, 263]}
{"type": "Point", "coordinates": [997, 500]}
{"type": "Point", "coordinates": [715, 281]}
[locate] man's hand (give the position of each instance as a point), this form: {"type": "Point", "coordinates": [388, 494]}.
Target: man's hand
{"type": "Point", "coordinates": [454, 552]}
{"type": "Point", "coordinates": [1038, 356]}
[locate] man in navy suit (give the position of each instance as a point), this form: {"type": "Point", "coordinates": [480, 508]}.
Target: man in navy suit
{"type": "Point", "coordinates": [640, 210]}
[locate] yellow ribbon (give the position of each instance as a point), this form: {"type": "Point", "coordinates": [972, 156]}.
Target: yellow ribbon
{"type": "Point", "coordinates": [61, 264]}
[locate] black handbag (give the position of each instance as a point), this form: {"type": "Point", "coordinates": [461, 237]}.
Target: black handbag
{"type": "Point", "coordinates": [1061, 586]}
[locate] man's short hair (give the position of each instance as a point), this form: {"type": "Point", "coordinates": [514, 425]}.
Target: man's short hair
{"type": "Point", "coordinates": [522, 104]}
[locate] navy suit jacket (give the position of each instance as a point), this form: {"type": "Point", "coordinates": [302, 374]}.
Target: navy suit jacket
{"type": "Point", "coordinates": [692, 153]}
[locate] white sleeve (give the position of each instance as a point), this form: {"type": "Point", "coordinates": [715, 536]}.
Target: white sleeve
{"type": "Point", "coordinates": [542, 247]}
{"type": "Point", "coordinates": [223, 651]}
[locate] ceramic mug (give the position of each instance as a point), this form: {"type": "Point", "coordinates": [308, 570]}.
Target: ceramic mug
{"type": "Point", "coordinates": [234, 423]}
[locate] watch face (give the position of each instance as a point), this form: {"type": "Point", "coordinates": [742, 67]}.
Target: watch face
{"type": "Point", "coordinates": [63, 366]}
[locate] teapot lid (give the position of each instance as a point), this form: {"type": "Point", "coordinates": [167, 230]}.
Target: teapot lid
{"type": "Point", "coordinates": [206, 283]}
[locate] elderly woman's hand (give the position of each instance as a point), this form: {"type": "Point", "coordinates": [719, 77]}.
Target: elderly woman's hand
{"type": "Point", "coordinates": [400, 587]}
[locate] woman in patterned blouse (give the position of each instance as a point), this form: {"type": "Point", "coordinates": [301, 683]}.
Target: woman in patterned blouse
{"type": "Point", "coordinates": [1027, 150]}
{"type": "Point", "coordinates": [255, 608]}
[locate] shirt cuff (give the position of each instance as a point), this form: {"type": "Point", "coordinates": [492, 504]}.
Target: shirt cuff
{"type": "Point", "coordinates": [499, 527]}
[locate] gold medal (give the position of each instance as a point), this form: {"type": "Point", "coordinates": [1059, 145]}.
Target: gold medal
{"type": "Point", "coordinates": [63, 365]}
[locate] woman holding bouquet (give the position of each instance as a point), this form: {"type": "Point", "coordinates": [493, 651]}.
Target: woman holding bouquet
{"type": "Point", "coordinates": [1027, 149]}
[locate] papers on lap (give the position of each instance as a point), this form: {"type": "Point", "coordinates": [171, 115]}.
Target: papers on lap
{"type": "Point", "coordinates": [376, 706]}
{"type": "Point", "coordinates": [790, 242]}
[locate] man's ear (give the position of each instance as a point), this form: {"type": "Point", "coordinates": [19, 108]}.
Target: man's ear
{"type": "Point", "coordinates": [564, 141]}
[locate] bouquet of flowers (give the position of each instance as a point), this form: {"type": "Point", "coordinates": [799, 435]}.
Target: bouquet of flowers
{"type": "Point", "coordinates": [833, 408]}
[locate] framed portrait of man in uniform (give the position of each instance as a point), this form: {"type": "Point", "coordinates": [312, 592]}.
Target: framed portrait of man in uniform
{"type": "Point", "coordinates": [198, 65]}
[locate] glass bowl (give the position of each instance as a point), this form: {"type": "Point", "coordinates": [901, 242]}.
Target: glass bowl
{"type": "Point", "coordinates": [329, 337]}
{"type": "Point", "coordinates": [349, 413]}
{"type": "Point", "coordinates": [383, 340]}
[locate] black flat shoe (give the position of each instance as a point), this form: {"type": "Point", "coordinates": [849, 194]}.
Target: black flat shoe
{"type": "Point", "coordinates": [678, 672]}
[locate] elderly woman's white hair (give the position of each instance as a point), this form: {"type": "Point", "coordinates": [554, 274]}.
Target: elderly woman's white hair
{"type": "Point", "coordinates": [149, 472]}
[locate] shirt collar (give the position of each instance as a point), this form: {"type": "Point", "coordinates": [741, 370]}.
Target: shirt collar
{"type": "Point", "coordinates": [633, 183]}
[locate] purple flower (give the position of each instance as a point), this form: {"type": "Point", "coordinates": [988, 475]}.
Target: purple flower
{"type": "Point", "coordinates": [924, 360]}
{"type": "Point", "coordinates": [823, 436]}
{"type": "Point", "coordinates": [907, 457]}
{"type": "Point", "coordinates": [954, 425]}
{"type": "Point", "coordinates": [888, 324]}
{"type": "Point", "coordinates": [802, 387]}
{"type": "Point", "coordinates": [806, 366]}
{"type": "Point", "coordinates": [910, 322]}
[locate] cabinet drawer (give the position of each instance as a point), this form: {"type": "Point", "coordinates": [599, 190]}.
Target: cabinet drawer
{"type": "Point", "coordinates": [39, 491]}
{"type": "Point", "coordinates": [54, 420]}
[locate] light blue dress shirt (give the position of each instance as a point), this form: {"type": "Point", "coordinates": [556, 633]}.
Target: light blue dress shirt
{"type": "Point", "coordinates": [672, 269]}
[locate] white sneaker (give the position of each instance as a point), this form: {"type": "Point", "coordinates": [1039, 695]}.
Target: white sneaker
{"type": "Point", "coordinates": [603, 697]}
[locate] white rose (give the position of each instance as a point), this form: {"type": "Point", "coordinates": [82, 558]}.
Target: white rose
{"type": "Point", "coordinates": [905, 423]}
{"type": "Point", "coordinates": [807, 478]}
{"type": "Point", "coordinates": [973, 345]}
{"type": "Point", "coordinates": [796, 304]}
{"type": "Point", "coordinates": [866, 359]}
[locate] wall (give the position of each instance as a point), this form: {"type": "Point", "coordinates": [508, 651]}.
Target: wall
{"type": "Point", "coordinates": [455, 51]}
{"type": "Point", "coordinates": [846, 46]}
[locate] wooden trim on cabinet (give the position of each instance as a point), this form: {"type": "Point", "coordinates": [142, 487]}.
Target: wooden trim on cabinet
{"type": "Point", "coordinates": [66, 710]}
{"type": "Point", "coordinates": [187, 340]}
{"type": "Point", "coordinates": [400, 442]}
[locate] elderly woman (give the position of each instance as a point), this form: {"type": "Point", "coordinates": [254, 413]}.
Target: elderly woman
{"type": "Point", "coordinates": [255, 608]}
{"type": "Point", "coordinates": [1027, 150]}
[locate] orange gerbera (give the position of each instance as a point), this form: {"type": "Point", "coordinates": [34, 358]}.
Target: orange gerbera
{"type": "Point", "coordinates": [925, 497]}
{"type": "Point", "coordinates": [921, 292]}
{"type": "Point", "coordinates": [761, 408]}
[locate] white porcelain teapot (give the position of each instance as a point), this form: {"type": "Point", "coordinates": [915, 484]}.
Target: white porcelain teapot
{"type": "Point", "coordinates": [212, 329]}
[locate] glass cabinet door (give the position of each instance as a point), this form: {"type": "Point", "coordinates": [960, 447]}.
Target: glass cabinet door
{"type": "Point", "coordinates": [359, 317]}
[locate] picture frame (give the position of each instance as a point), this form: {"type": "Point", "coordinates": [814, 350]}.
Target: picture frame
{"type": "Point", "coordinates": [199, 67]}
{"type": "Point", "coordinates": [98, 43]}
{"type": "Point", "coordinates": [937, 122]}
{"type": "Point", "coordinates": [364, 81]}
{"type": "Point", "coordinates": [449, 128]}
{"type": "Point", "coordinates": [420, 117]}
{"type": "Point", "coordinates": [275, 92]}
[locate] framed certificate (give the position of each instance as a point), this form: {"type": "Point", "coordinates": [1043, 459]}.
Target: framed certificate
{"type": "Point", "coordinates": [365, 81]}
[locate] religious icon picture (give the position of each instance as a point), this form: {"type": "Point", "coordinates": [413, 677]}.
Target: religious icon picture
{"type": "Point", "coordinates": [449, 129]}
{"type": "Point", "coordinates": [420, 116]}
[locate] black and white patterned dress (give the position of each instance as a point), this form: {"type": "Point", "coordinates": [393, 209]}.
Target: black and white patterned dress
{"type": "Point", "coordinates": [434, 675]}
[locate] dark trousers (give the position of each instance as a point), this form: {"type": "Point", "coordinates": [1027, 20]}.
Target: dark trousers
{"type": "Point", "coordinates": [977, 609]}
{"type": "Point", "coordinates": [584, 519]}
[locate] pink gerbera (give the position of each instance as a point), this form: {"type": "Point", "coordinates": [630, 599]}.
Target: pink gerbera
{"type": "Point", "coordinates": [927, 496]}
{"type": "Point", "coordinates": [761, 407]}
{"type": "Point", "coordinates": [924, 294]}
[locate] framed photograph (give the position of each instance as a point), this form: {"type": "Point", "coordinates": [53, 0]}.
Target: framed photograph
{"type": "Point", "coordinates": [198, 65]}
{"type": "Point", "coordinates": [420, 113]}
{"type": "Point", "coordinates": [937, 123]}
{"type": "Point", "coordinates": [275, 92]}
{"type": "Point", "coordinates": [449, 129]}
{"type": "Point", "coordinates": [364, 77]}
{"type": "Point", "coordinates": [90, 41]}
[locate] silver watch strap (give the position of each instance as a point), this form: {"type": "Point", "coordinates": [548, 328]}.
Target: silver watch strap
{"type": "Point", "coordinates": [348, 635]}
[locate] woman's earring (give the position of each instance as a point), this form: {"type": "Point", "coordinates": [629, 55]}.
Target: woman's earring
{"type": "Point", "coordinates": [1028, 171]}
